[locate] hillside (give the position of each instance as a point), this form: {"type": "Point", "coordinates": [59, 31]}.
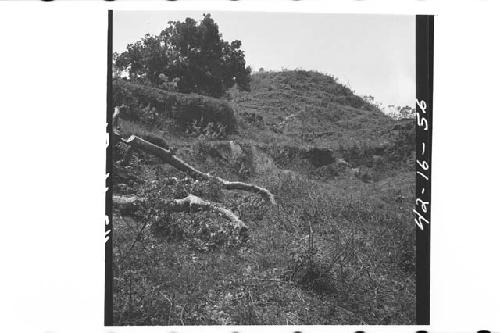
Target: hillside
{"type": "Point", "coordinates": [326, 113]}
{"type": "Point", "coordinates": [338, 248]}
{"type": "Point", "coordinates": [310, 111]}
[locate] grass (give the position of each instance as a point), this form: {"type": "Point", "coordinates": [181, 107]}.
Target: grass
{"type": "Point", "coordinates": [359, 270]}
{"type": "Point", "coordinates": [319, 102]}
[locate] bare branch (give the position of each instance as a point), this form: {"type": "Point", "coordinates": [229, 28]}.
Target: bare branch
{"type": "Point", "coordinates": [189, 204]}
{"type": "Point", "coordinates": [194, 203]}
{"type": "Point", "coordinates": [167, 156]}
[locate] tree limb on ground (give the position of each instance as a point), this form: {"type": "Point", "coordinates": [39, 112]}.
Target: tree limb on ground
{"type": "Point", "coordinates": [187, 205]}
{"type": "Point", "coordinates": [192, 202]}
{"type": "Point", "coordinates": [166, 155]}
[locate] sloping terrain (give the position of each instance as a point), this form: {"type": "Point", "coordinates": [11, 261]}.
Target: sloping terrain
{"type": "Point", "coordinates": [316, 105]}
{"type": "Point", "coordinates": [337, 249]}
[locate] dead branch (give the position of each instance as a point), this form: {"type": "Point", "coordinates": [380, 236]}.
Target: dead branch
{"type": "Point", "coordinates": [168, 156]}
{"type": "Point", "coordinates": [189, 204]}
{"type": "Point", "coordinates": [194, 203]}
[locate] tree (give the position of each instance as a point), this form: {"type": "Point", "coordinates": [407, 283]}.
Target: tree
{"type": "Point", "coordinates": [191, 54]}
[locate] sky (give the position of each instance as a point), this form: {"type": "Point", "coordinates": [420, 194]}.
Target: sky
{"type": "Point", "coordinates": [373, 54]}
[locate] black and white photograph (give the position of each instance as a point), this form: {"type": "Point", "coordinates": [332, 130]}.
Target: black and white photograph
{"type": "Point", "coordinates": [263, 169]}
{"type": "Point", "coordinates": [249, 166]}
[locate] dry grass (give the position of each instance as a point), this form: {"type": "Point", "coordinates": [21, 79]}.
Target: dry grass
{"type": "Point", "coordinates": [360, 268]}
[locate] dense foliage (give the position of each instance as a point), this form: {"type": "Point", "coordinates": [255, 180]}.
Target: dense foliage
{"type": "Point", "coordinates": [152, 106]}
{"type": "Point", "coordinates": [188, 57]}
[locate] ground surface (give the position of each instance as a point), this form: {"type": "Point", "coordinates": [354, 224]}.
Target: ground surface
{"type": "Point", "coordinates": [337, 249]}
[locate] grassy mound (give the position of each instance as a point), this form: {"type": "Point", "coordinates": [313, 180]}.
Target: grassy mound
{"type": "Point", "coordinates": [307, 107]}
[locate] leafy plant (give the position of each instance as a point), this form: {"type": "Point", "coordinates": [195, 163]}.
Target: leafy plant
{"type": "Point", "coordinates": [191, 54]}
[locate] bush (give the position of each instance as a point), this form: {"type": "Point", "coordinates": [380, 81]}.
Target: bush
{"type": "Point", "coordinates": [151, 105]}
{"type": "Point", "coordinates": [210, 131]}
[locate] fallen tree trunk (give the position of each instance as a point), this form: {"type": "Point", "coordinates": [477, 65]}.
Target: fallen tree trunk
{"type": "Point", "coordinates": [166, 155]}
{"type": "Point", "coordinates": [189, 204]}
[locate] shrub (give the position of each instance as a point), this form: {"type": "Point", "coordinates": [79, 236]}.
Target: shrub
{"type": "Point", "coordinates": [151, 105]}
{"type": "Point", "coordinates": [210, 131]}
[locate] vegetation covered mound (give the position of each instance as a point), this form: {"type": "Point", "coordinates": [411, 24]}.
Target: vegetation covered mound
{"type": "Point", "coordinates": [312, 108]}
{"type": "Point", "coordinates": [149, 105]}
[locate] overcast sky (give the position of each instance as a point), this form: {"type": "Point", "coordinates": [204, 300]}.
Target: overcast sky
{"type": "Point", "coordinates": [373, 54]}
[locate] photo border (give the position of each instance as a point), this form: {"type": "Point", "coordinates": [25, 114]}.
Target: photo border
{"type": "Point", "coordinates": [424, 92]}
{"type": "Point", "coordinates": [424, 103]}
{"type": "Point", "coordinates": [108, 255]}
